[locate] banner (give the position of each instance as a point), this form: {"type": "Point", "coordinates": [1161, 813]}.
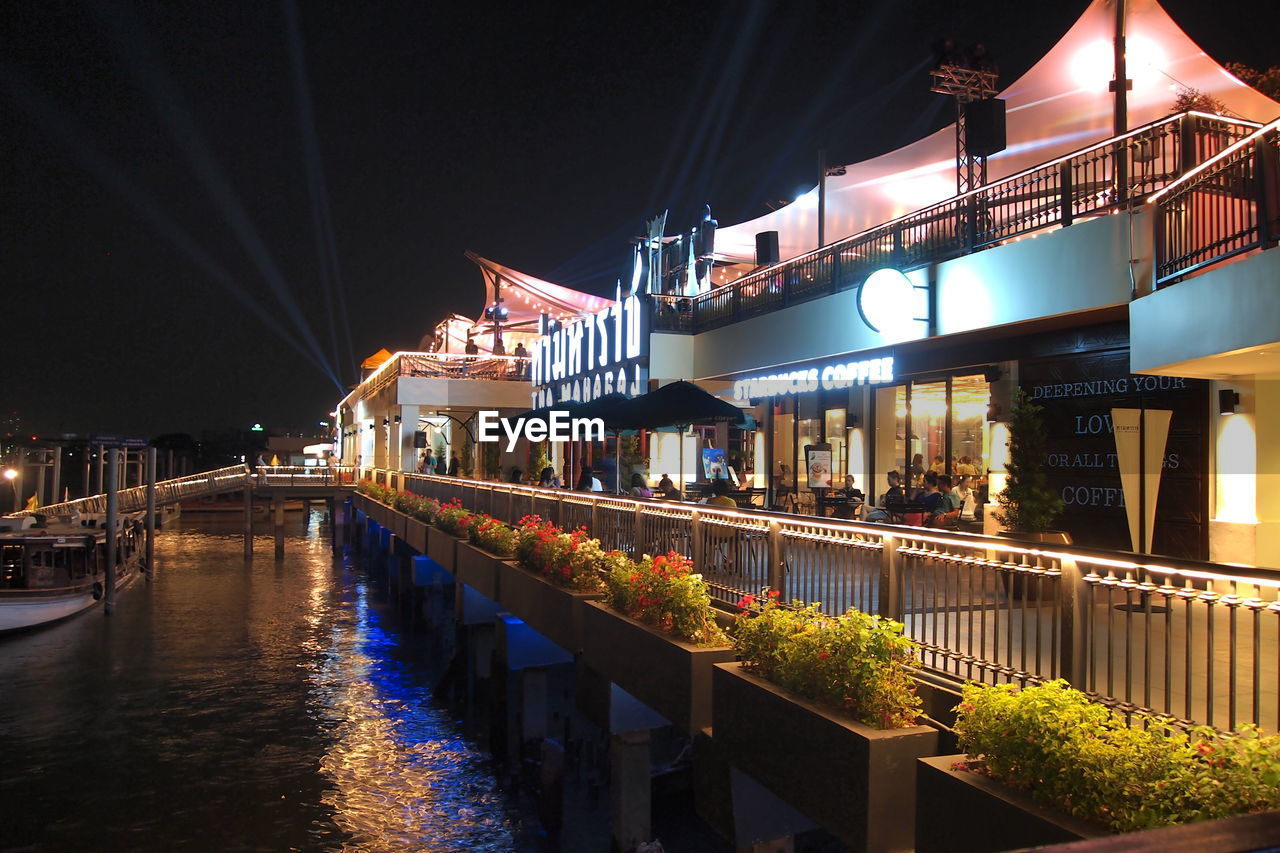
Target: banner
{"type": "Point", "coordinates": [1141, 436]}
{"type": "Point", "coordinates": [817, 461]}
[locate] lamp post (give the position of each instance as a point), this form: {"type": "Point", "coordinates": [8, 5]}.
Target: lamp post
{"type": "Point", "coordinates": [11, 474]}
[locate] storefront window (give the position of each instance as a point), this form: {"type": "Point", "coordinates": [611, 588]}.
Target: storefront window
{"type": "Point", "coordinates": [783, 444]}
{"type": "Point", "coordinates": [890, 443]}
{"type": "Point", "coordinates": [970, 452]}
{"type": "Point", "coordinates": [927, 445]}
{"type": "Point", "coordinates": [807, 432]}
{"type": "Point", "coordinates": [835, 421]}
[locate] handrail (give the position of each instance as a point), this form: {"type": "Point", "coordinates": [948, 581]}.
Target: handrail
{"type": "Point", "coordinates": [1144, 634]}
{"type": "Point", "coordinates": [1226, 206]}
{"type": "Point", "coordinates": [134, 499]}
{"type": "Point", "coordinates": [1053, 194]}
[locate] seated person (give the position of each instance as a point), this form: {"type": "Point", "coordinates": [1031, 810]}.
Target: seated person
{"type": "Point", "coordinates": [929, 497]}
{"type": "Point", "coordinates": [947, 511]}
{"type": "Point", "coordinates": [589, 482]}
{"type": "Point", "coordinates": [893, 495]}
{"type": "Point", "coordinates": [849, 490]}
{"type": "Point", "coordinates": [639, 488]}
{"type": "Point", "coordinates": [720, 494]}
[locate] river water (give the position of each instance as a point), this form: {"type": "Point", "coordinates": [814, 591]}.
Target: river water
{"type": "Point", "coordinates": [231, 707]}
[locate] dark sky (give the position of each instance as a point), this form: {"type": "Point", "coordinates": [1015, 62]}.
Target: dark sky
{"type": "Point", "coordinates": [175, 204]}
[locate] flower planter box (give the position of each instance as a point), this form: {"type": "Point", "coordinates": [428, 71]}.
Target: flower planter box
{"type": "Point", "coordinates": [441, 547]}
{"type": "Point", "coordinates": [415, 535]}
{"type": "Point", "coordinates": [477, 568]}
{"type": "Point", "coordinates": [962, 812]}
{"type": "Point", "coordinates": [553, 611]}
{"type": "Point", "coordinates": [854, 780]}
{"type": "Point", "coordinates": [399, 524]}
{"type": "Point", "coordinates": [669, 675]}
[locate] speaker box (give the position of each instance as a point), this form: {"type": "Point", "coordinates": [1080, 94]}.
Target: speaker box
{"type": "Point", "coordinates": [419, 440]}
{"type": "Point", "coordinates": [984, 127]}
{"type": "Point", "coordinates": [766, 248]}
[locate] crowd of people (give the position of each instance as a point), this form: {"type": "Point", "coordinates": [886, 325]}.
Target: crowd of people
{"type": "Point", "coordinates": [941, 500]}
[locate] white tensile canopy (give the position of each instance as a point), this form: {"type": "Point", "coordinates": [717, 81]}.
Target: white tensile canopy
{"type": "Point", "coordinates": [1061, 104]}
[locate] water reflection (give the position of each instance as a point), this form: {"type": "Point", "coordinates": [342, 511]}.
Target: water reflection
{"type": "Point", "coordinates": [402, 778]}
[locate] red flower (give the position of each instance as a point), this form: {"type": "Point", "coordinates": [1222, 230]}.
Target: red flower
{"type": "Point", "coordinates": [823, 655]}
{"type": "Point", "coordinates": [746, 601]}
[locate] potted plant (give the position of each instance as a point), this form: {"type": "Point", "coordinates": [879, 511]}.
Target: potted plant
{"type": "Point", "coordinates": [846, 683]}
{"type": "Point", "coordinates": [1028, 506]}
{"type": "Point", "coordinates": [658, 618]}
{"type": "Point", "coordinates": [1046, 764]}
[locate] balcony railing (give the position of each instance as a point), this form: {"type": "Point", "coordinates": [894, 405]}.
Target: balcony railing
{"type": "Point", "coordinates": [1147, 635]}
{"type": "Point", "coordinates": [448, 365]}
{"type": "Point", "coordinates": [1083, 184]}
{"type": "Point", "coordinates": [134, 499]}
{"type": "Point", "coordinates": [1227, 206]}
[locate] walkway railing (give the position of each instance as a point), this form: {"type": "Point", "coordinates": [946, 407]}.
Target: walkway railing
{"type": "Point", "coordinates": [134, 499]}
{"type": "Point", "coordinates": [1085, 183]}
{"type": "Point", "coordinates": [300, 476]}
{"type": "Point", "coordinates": [1228, 205]}
{"type": "Point", "coordinates": [1147, 635]}
{"type": "Point", "coordinates": [447, 365]}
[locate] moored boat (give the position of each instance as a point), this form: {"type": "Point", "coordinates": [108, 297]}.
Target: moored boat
{"type": "Point", "coordinates": [56, 569]}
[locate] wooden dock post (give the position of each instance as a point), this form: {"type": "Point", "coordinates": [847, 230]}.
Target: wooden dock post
{"type": "Point", "coordinates": [151, 513]}
{"type": "Point", "coordinates": [248, 517]}
{"type": "Point", "coordinates": [277, 511]}
{"type": "Point", "coordinates": [109, 583]}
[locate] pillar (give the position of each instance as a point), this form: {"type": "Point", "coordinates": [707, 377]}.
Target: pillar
{"type": "Point", "coordinates": [57, 474]}
{"type": "Point", "coordinates": [151, 512]}
{"type": "Point", "coordinates": [277, 513]}
{"type": "Point", "coordinates": [407, 455]}
{"type": "Point", "coordinates": [248, 517]}
{"type": "Point", "coordinates": [102, 462]}
{"type": "Point", "coordinates": [629, 789]}
{"type": "Point", "coordinates": [109, 582]}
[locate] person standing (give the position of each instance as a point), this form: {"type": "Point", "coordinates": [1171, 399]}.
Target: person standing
{"type": "Point", "coordinates": [453, 464]}
{"type": "Point", "coordinates": [442, 466]}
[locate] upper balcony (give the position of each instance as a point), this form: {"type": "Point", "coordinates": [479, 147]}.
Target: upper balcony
{"type": "Point", "coordinates": [1095, 181]}
{"type": "Point", "coordinates": [445, 378]}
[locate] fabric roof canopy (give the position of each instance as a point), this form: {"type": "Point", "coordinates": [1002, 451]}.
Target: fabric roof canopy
{"type": "Point", "coordinates": [527, 297]}
{"type": "Point", "coordinates": [1061, 104]}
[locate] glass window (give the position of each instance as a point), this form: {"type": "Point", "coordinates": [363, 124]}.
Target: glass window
{"type": "Point", "coordinates": [835, 421]}
{"type": "Point", "coordinates": [807, 432]}
{"type": "Point", "coordinates": [969, 435]}
{"type": "Point", "coordinates": [890, 447]}
{"type": "Point", "coordinates": [783, 450]}
{"type": "Point", "coordinates": [927, 445]}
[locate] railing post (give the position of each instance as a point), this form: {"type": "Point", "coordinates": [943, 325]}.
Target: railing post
{"type": "Point", "coordinates": [1268, 189]}
{"type": "Point", "coordinates": [1066, 194]}
{"type": "Point", "coordinates": [637, 531]}
{"type": "Point", "coordinates": [889, 603]}
{"type": "Point", "coordinates": [1073, 654]}
{"type": "Point", "coordinates": [1187, 154]}
{"type": "Point", "coordinates": [777, 559]}
{"type": "Point", "coordinates": [695, 533]}
{"type": "Point", "coordinates": [559, 519]}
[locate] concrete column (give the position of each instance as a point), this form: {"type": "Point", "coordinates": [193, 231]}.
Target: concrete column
{"type": "Point", "coordinates": [277, 512]}
{"type": "Point", "coordinates": [109, 582]}
{"type": "Point", "coordinates": [630, 790]}
{"type": "Point", "coordinates": [407, 455]}
{"type": "Point", "coordinates": [57, 474]}
{"type": "Point", "coordinates": [533, 703]}
{"type": "Point", "coordinates": [248, 518]}
{"type": "Point", "coordinates": [151, 513]}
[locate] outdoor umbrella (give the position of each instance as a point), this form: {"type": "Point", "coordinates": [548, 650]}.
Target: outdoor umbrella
{"type": "Point", "coordinates": [681, 404]}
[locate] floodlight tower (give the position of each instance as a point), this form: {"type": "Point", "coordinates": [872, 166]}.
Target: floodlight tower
{"type": "Point", "coordinates": [966, 85]}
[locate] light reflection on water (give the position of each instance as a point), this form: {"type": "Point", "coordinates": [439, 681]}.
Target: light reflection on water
{"type": "Point", "coordinates": [402, 778]}
{"type": "Point", "coordinates": [230, 707]}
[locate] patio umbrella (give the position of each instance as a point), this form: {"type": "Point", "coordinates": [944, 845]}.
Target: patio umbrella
{"type": "Point", "coordinates": [681, 404]}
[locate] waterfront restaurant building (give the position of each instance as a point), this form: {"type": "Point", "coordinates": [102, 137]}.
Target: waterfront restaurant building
{"type": "Point", "coordinates": [1104, 270]}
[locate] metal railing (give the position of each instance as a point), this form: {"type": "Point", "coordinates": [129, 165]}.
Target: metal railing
{"type": "Point", "coordinates": [1146, 635]}
{"type": "Point", "coordinates": [1227, 206]}
{"type": "Point", "coordinates": [134, 499]}
{"type": "Point", "coordinates": [301, 476]}
{"type": "Point", "coordinates": [447, 365]}
{"type": "Point", "coordinates": [1082, 184]}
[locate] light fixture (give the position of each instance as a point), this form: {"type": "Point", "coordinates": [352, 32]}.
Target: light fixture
{"type": "Point", "coordinates": [1227, 401]}
{"type": "Point", "coordinates": [397, 419]}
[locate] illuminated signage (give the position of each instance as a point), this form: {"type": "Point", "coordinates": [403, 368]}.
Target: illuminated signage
{"type": "Point", "coordinates": [833, 377]}
{"type": "Point", "coordinates": [598, 354]}
{"type": "Point", "coordinates": [891, 305]}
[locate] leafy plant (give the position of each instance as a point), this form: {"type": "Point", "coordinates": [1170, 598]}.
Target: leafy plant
{"type": "Point", "coordinates": [1267, 82]}
{"type": "Point", "coordinates": [454, 518]}
{"type": "Point", "coordinates": [664, 591]}
{"type": "Point", "coordinates": [856, 662]}
{"type": "Point", "coordinates": [572, 559]}
{"type": "Point", "coordinates": [1072, 753]}
{"type": "Point", "coordinates": [492, 535]}
{"type": "Point", "coordinates": [1188, 100]}
{"type": "Point", "coordinates": [467, 458]}
{"type": "Point", "coordinates": [1027, 503]}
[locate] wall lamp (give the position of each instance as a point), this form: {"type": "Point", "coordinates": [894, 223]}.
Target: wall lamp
{"type": "Point", "coordinates": [397, 419]}
{"type": "Point", "coordinates": [1227, 401]}
{"type": "Point", "coordinates": [386, 421]}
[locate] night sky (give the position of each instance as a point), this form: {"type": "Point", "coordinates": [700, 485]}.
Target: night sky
{"type": "Point", "coordinates": [213, 211]}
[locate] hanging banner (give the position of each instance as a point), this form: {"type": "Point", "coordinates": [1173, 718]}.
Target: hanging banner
{"type": "Point", "coordinates": [1141, 436]}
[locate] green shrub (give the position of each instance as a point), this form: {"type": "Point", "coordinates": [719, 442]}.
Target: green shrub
{"type": "Point", "coordinates": [855, 662]}
{"type": "Point", "coordinates": [493, 536]}
{"type": "Point", "coordinates": [1072, 753]}
{"type": "Point", "coordinates": [665, 592]}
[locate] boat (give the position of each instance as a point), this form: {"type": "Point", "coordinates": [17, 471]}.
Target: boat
{"type": "Point", "coordinates": [51, 570]}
